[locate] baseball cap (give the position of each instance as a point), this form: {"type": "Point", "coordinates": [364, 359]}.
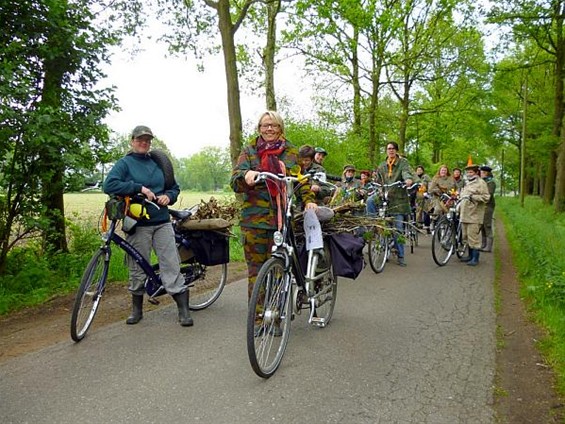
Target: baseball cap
{"type": "Point", "coordinates": [141, 130]}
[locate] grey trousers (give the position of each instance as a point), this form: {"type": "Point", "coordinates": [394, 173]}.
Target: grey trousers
{"type": "Point", "coordinates": [160, 238]}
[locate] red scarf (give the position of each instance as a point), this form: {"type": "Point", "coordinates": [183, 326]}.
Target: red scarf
{"type": "Point", "coordinates": [269, 156]}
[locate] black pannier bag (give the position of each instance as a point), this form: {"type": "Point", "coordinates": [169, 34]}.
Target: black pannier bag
{"type": "Point", "coordinates": [347, 254]}
{"type": "Point", "coordinates": [210, 247]}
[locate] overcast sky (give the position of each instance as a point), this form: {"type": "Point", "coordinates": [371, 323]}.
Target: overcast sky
{"type": "Point", "coordinates": [185, 108]}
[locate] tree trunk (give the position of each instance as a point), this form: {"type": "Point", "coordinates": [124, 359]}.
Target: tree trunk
{"type": "Point", "coordinates": [227, 32]}
{"type": "Point", "coordinates": [559, 199]}
{"type": "Point", "coordinates": [273, 9]}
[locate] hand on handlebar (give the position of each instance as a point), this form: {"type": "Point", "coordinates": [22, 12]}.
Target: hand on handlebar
{"type": "Point", "coordinates": [251, 178]}
{"type": "Point", "coordinates": [148, 194]}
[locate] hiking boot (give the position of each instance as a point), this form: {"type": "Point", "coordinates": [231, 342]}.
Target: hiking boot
{"type": "Point", "coordinates": [401, 262]}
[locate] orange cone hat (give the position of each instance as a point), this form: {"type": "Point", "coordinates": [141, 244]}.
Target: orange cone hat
{"type": "Point", "coordinates": [469, 160]}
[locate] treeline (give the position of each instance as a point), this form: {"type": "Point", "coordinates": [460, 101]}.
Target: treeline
{"type": "Point", "coordinates": [426, 74]}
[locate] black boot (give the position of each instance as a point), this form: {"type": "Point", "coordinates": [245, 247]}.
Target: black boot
{"type": "Point", "coordinates": [184, 314]}
{"type": "Point", "coordinates": [136, 309]}
{"type": "Point", "coordinates": [474, 258]}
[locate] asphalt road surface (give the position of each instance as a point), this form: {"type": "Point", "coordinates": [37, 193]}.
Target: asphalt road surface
{"type": "Point", "coordinates": [410, 345]}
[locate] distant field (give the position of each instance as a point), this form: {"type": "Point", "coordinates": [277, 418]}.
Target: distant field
{"type": "Point", "coordinates": [88, 206]}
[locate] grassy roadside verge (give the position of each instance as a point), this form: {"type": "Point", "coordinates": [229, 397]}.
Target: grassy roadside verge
{"type": "Point", "coordinates": [537, 239]}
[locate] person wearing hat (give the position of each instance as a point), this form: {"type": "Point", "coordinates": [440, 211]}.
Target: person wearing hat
{"type": "Point", "coordinates": [395, 168]}
{"type": "Point", "coordinates": [306, 155]}
{"type": "Point", "coordinates": [320, 155]}
{"type": "Point", "coordinates": [472, 212]}
{"type": "Point", "coordinates": [138, 173]}
{"type": "Point", "coordinates": [486, 175]}
{"type": "Point", "coordinates": [349, 186]}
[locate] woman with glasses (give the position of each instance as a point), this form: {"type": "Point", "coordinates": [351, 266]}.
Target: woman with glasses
{"type": "Point", "coordinates": [271, 152]}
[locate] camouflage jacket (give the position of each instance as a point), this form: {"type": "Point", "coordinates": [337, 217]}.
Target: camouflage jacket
{"type": "Point", "coordinates": [259, 209]}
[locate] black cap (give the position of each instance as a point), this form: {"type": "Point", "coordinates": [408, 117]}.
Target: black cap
{"type": "Point", "coordinates": [486, 168]}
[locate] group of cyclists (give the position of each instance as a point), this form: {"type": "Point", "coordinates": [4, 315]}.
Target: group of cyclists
{"type": "Point", "coordinates": [426, 197]}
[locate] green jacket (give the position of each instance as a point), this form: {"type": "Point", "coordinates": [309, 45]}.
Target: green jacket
{"type": "Point", "coordinates": [398, 200]}
{"type": "Point", "coordinates": [259, 210]}
{"type": "Point", "coordinates": [134, 171]}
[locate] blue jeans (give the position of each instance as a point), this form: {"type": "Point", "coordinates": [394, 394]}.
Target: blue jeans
{"type": "Point", "coordinates": [372, 205]}
{"type": "Point", "coordinates": [399, 225]}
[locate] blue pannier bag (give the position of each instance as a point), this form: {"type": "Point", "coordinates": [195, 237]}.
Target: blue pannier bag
{"type": "Point", "coordinates": [347, 254]}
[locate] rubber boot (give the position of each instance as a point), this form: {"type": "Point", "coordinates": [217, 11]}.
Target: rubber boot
{"type": "Point", "coordinates": [474, 257]}
{"type": "Point", "coordinates": [467, 258]}
{"type": "Point", "coordinates": [184, 314]}
{"type": "Point", "coordinates": [483, 243]}
{"type": "Point", "coordinates": [136, 309]}
{"type": "Point", "coordinates": [488, 246]}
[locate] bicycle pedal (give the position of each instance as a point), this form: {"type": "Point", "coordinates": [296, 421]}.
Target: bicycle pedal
{"type": "Point", "coordinates": [318, 322]}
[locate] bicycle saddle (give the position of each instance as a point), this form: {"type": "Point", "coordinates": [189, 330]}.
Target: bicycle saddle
{"type": "Point", "coordinates": [180, 215]}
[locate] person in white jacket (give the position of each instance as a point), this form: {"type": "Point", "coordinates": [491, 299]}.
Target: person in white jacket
{"type": "Point", "coordinates": [473, 211]}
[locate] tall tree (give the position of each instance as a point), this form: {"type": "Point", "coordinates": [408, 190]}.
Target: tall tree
{"type": "Point", "coordinates": [51, 109]}
{"type": "Point", "coordinates": [542, 22]}
{"type": "Point", "coordinates": [192, 25]}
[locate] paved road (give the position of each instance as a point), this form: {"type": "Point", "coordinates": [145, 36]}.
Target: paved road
{"type": "Point", "coordinates": [411, 345]}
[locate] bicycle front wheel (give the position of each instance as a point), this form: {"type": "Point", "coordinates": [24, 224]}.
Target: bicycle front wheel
{"type": "Point", "coordinates": [269, 316]}
{"type": "Point", "coordinates": [207, 286]}
{"type": "Point", "coordinates": [443, 241]}
{"type": "Point", "coordinates": [378, 252]}
{"type": "Point", "coordinates": [89, 295]}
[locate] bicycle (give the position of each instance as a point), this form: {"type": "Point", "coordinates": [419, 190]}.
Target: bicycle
{"type": "Point", "coordinates": [411, 231]}
{"type": "Point", "coordinates": [448, 234]}
{"type": "Point", "coordinates": [283, 288]}
{"type": "Point", "coordinates": [382, 243]}
{"type": "Point", "coordinates": [205, 282]}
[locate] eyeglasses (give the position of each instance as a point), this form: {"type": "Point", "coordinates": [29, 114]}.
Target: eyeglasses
{"type": "Point", "coordinates": [267, 126]}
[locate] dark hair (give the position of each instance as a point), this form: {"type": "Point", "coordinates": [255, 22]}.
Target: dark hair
{"type": "Point", "coordinates": [394, 144]}
{"type": "Point", "coordinates": [420, 166]}
{"type": "Point", "coordinates": [306, 151]}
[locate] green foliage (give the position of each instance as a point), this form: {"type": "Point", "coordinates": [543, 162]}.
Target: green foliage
{"type": "Point", "coordinates": [537, 237]}
{"type": "Point", "coordinates": [207, 170]}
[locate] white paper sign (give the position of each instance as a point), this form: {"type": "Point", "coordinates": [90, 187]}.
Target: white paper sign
{"type": "Point", "coordinates": [313, 231]}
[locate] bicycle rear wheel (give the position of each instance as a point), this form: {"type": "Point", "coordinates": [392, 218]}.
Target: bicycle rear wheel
{"type": "Point", "coordinates": [443, 241]}
{"type": "Point", "coordinates": [269, 317]}
{"type": "Point", "coordinates": [207, 286]}
{"type": "Point", "coordinates": [378, 252]}
{"type": "Point", "coordinates": [326, 294]}
{"type": "Point", "coordinates": [89, 294]}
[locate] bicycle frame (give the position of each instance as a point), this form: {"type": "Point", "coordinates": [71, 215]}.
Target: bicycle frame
{"type": "Point", "coordinates": [284, 246]}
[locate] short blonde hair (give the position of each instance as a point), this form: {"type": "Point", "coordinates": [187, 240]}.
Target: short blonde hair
{"type": "Point", "coordinates": [275, 116]}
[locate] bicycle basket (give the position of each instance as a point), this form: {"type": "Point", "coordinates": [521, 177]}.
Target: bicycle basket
{"type": "Point", "coordinates": [210, 247]}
